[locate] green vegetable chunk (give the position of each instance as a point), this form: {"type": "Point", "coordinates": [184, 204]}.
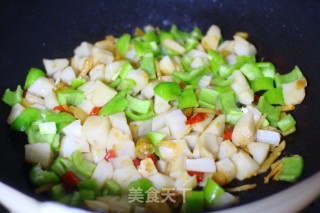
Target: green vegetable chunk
{"type": "Point", "coordinates": [291, 168]}
{"type": "Point", "coordinates": [12, 97]}
{"type": "Point", "coordinates": [194, 202]}
{"type": "Point", "coordinates": [144, 184]}
{"type": "Point", "coordinates": [85, 167]}
{"type": "Point", "coordinates": [41, 177]}
{"type": "Point", "coordinates": [168, 90]}
{"type": "Point", "coordinates": [25, 119]}
{"type": "Point", "coordinates": [212, 191]}
{"type": "Point", "coordinates": [33, 75]}
{"type": "Point", "coordinates": [122, 44]}
{"type": "Point", "coordinates": [70, 97]}
{"type": "Point", "coordinates": [112, 188]}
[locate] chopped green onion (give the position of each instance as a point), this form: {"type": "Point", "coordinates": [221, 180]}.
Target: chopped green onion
{"type": "Point", "coordinates": [12, 97]}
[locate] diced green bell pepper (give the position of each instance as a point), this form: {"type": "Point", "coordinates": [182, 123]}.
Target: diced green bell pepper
{"type": "Point", "coordinates": [90, 184]}
{"type": "Point", "coordinates": [137, 105]}
{"type": "Point", "coordinates": [25, 119]}
{"type": "Point", "coordinates": [112, 188]}
{"type": "Point", "coordinates": [82, 165]}
{"type": "Point", "coordinates": [187, 99]}
{"type": "Point", "coordinates": [122, 44]}
{"type": "Point", "coordinates": [251, 71]}
{"type": "Point", "coordinates": [208, 98]}
{"type": "Point", "coordinates": [291, 168]}
{"type": "Point", "coordinates": [139, 117]}
{"type": "Point", "coordinates": [212, 192]}
{"type": "Point", "coordinates": [286, 123]}
{"type": "Point", "coordinates": [12, 97]}
{"type": "Point", "coordinates": [70, 97]}
{"type": "Point", "coordinates": [33, 75]}
{"type": "Point", "coordinates": [41, 177]}
{"type": "Point", "coordinates": [147, 65]}
{"type": "Point", "coordinates": [263, 83]}
{"type": "Point", "coordinates": [144, 184]}
{"type": "Point", "coordinates": [167, 90]}
{"type": "Point", "coordinates": [61, 165]}
{"type": "Point", "coordinates": [194, 202]}
{"type": "Point", "coordinates": [274, 96]}
{"type": "Point", "coordinates": [273, 112]}
{"type": "Point", "coordinates": [117, 104]}
{"type": "Point", "coordinates": [77, 82]}
{"type": "Point", "coordinates": [267, 68]}
{"type": "Point", "coordinates": [294, 75]}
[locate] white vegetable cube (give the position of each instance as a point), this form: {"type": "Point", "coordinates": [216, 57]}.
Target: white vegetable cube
{"type": "Point", "coordinates": [121, 162]}
{"type": "Point", "coordinates": [33, 99]}
{"type": "Point", "coordinates": [162, 166]}
{"type": "Point", "coordinates": [86, 106]}
{"type": "Point", "coordinates": [39, 153]}
{"type": "Point", "coordinates": [103, 171]}
{"type": "Point", "coordinates": [51, 101]}
{"type": "Point", "coordinates": [192, 139]}
{"type": "Point", "coordinates": [244, 130]}
{"type": "Point", "coordinates": [147, 92]}
{"type": "Point", "coordinates": [160, 105]}
{"type": "Point", "coordinates": [268, 136]}
{"type": "Point", "coordinates": [97, 72]}
{"type": "Point", "coordinates": [102, 56]}
{"type": "Point", "coordinates": [211, 40]}
{"type": "Point", "coordinates": [210, 142]}
{"type": "Point", "coordinates": [142, 127]}
{"type": "Point", "coordinates": [41, 87]}
{"type": "Point", "coordinates": [173, 45]}
{"type": "Point", "coordinates": [97, 154]}
{"type": "Point", "coordinates": [185, 181]}
{"type": "Point", "coordinates": [241, 88]}
{"type": "Point", "coordinates": [161, 181]}
{"type": "Point", "coordinates": [125, 175]}
{"type": "Point", "coordinates": [15, 112]}
{"type": "Point", "coordinates": [217, 126]}
{"type": "Point", "coordinates": [200, 126]}
{"type": "Point", "coordinates": [52, 66]}
{"type": "Point", "coordinates": [183, 146]}
{"type": "Point", "coordinates": [246, 166]}
{"type": "Point", "coordinates": [84, 49]}
{"type": "Point", "coordinates": [121, 143]}
{"type": "Point", "coordinates": [73, 129]}
{"type": "Point", "coordinates": [167, 65]}
{"type": "Point", "coordinates": [168, 150]}
{"type": "Point", "coordinates": [243, 47]}
{"type": "Point", "coordinates": [201, 165]}
{"type": "Point", "coordinates": [227, 149]}
{"type": "Point", "coordinates": [225, 200]}
{"type": "Point", "coordinates": [112, 70]}
{"type": "Point", "coordinates": [175, 120]}
{"type": "Point", "coordinates": [67, 74]}
{"type": "Point", "coordinates": [256, 113]}
{"type": "Point", "coordinates": [159, 121]}
{"type": "Point", "coordinates": [140, 77]}
{"type": "Point", "coordinates": [119, 120]}
{"type": "Point", "coordinates": [294, 92]}
{"type": "Point", "coordinates": [99, 93]}
{"type": "Point", "coordinates": [259, 151]}
{"type": "Point", "coordinates": [147, 168]}
{"type": "Point", "coordinates": [226, 167]}
{"type": "Point", "coordinates": [69, 144]}
{"type": "Point", "coordinates": [96, 130]}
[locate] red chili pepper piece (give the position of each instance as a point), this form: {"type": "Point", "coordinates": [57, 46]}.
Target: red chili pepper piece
{"type": "Point", "coordinates": [136, 162]}
{"type": "Point", "coordinates": [61, 109]}
{"type": "Point", "coordinates": [153, 158]}
{"type": "Point", "coordinates": [256, 99]}
{"type": "Point", "coordinates": [196, 118]}
{"type": "Point", "coordinates": [70, 181]}
{"type": "Point", "coordinates": [199, 175]}
{"type": "Point", "coordinates": [181, 84]}
{"type": "Point", "coordinates": [227, 133]}
{"type": "Point", "coordinates": [95, 110]}
{"type": "Point", "coordinates": [110, 154]}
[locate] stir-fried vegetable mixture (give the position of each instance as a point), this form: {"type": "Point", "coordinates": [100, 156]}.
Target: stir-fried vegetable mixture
{"type": "Point", "coordinates": [158, 121]}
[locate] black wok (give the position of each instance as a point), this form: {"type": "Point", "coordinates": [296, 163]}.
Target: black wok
{"type": "Point", "coordinates": [284, 32]}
